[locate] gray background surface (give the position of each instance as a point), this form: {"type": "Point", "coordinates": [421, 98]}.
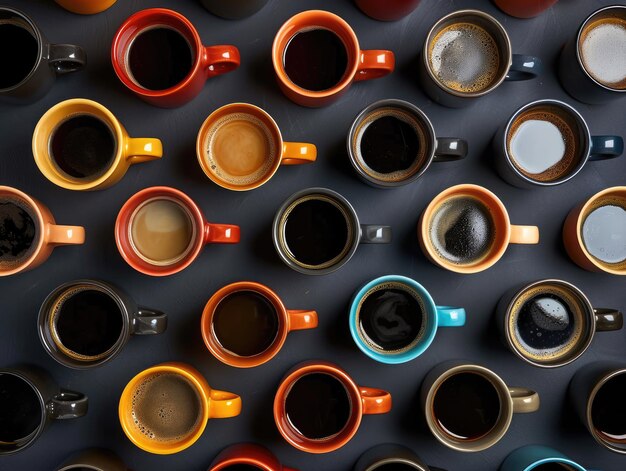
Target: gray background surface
{"type": "Point", "coordinates": [183, 296]}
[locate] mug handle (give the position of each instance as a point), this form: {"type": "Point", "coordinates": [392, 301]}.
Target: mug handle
{"type": "Point", "coordinates": [66, 58]}
{"type": "Point", "coordinates": [140, 149]}
{"type": "Point", "coordinates": [148, 321]}
{"type": "Point", "coordinates": [66, 235]}
{"type": "Point", "coordinates": [374, 234]}
{"type": "Point", "coordinates": [223, 404]}
{"type": "Point", "coordinates": [450, 148]}
{"type": "Point", "coordinates": [374, 63]}
{"type": "Point", "coordinates": [375, 401]}
{"type": "Point", "coordinates": [67, 405]}
{"type": "Point", "coordinates": [524, 235]}
{"type": "Point", "coordinates": [217, 60]}
{"type": "Point", "coordinates": [221, 233]}
{"type": "Point", "coordinates": [608, 319]}
{"type": "Point", "coordinates": [301, 319]}
{"type": "Point", "coordinates": [448, 316]}
{"type": "Point", "coordinates": [524, 68]}
{"type": "Point", "coordinates": [606, 147]}
{"type": "Point", "coordinates": [295, 153]}
{"type": "Point", "coordinates": [524, 400]}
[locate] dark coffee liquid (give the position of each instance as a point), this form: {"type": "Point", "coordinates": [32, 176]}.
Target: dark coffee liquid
{"type": "Point", "coordinates": [608, 411]}
{"type": "Point", "coordinates": [83, 146]}
{"type": "Point", "coordinates": [20, 410]}
{"type": "Point", "coordinates": [395, 467]}
{"type": "Point", "coordinates": [318, 406]}
{"type": "Point", "coordinates": [553, 467]}
{"type": "Point", "coordinates": [466, 406]}
{"type": "Point", "coordinates": [89, 322]}
{"type": "Point", "coordinates": [545, 322]}
{"type": "Point", "coordinates": [160, 58]}
{"type": "Point", "coordinates": [17, 232]}
{"type": "Point", "coordinates": [316, 232]}
{"type": "Point", "coordinates": [316, 59]}
{"type": "Point", "coordinates": [19, 54]}
{"type": "Point", "coordinates": [245, 323]}
{"type": "Point", "coordinates": [241, 467]}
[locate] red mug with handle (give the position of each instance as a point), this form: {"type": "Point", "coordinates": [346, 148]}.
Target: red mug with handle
{"type": "Point", "coordinates": [250, 454]}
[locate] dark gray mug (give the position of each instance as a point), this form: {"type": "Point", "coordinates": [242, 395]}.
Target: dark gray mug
{"type": "Point", "coordinates": [233, 9]}
{"type": "Point", "coordinates": [40, 62]}
{"type": "Point", "coordinates": [390, 454]}
{"type": "Point", "coordinates": [96, 459]}
{"type": "Point", "coordinates": [124, 320]}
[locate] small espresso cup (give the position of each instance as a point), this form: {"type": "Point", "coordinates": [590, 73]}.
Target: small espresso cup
{"type": "Point", "coordinates": [245, 324]}
{"type": "Point", "coordinates": [233, 9]}
{"type": "Point", "coordinates": [318, 408]}
{"type": "Point", "coordinates": [159, 56]}
{"type": "Point", "coordinates": [392, 143]}
{"type": "Point", "coordinates": [538, 458]}
{"type": "Point", "coordinates": [387, 10]}
{"type": "Point", "coordinates": [30, 65]}
{"type": "Point", "coordinates": [96, 459]}
{"type": "Point", "coordinates": [469, 408]}
{"type": "Point", "coordinates": [316, 70]}
{"type": "Point", "coordinates": [551, 323]}
{"type": "Point", "coordinates": [466, 229]}
{"type": "Point", "coordinates": [240, 147]}
{"type": "Point", "coordinates": [78, 144]}
{"type": "Point", "coordinates": [594, 232]}
{"type": "Point", "coordinates": [393, 319]}
{"type": "Point", "coordinates": [247, 455]}
{"type": "Point", "coordinates": [591, 65]}
{"type": "Point", "coordinates": [389, 456]}
{"type": "Point", "coordinates": [85, 323]}
{"type": "Point", "coordinates": [316, 231]}
{"type": "Point", "coordinates": [467, 54]}
{"type": "Point", "coordinates": [160, 231]}
{"type": "Point", "coordinates": [86, 7]}
{"type": "Point", "coordinates": [29, 233]}
{"type": "Point", "coordinates": [546, 143]}
{"type": "Point", "coordinates": [524, 8]}
{"type": "Point", "coordinates": [165, 408]}
{"type": "Point", "coordinates": [29, 400]}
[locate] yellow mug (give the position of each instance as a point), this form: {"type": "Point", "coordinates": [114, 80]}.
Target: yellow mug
{"type": "Point", "coordinates": [164, 409]}
{"type": "Point", "coordinates": [80, 145]}
{"type": "Point", "coordinates": [86, 7]}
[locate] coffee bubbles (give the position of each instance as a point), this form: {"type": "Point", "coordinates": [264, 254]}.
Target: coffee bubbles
{"type": "Point", "coordinates": [603, 51]}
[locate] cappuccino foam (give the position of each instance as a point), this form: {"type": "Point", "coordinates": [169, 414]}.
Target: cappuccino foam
{"type": "Point", "coordinates": [603, 51]}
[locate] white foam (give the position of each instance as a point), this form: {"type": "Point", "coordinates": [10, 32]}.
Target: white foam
{"type": "Point", "coordinates": [537, 145]}
{"type": "Point", "coordinates": [604, 52]}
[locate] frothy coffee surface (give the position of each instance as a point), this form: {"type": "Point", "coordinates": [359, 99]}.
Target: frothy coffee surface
{"type": "Point", "coordinates": [604, 232]}
{"type": "Point", "coordinates": [603, 51]}
{"type": "Point", "coordinates": [17, 232]}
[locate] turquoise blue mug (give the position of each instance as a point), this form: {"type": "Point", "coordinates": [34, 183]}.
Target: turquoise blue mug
{"type": "Point", "coordinates": [393, 319]}
{"type": "Point", "coordinates": [533, 457]}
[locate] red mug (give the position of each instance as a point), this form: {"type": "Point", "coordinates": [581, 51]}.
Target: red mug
{"type": "Point", "coordinates": [387, 10]}
{"type": "Point", "coordinates": [249, 454]}
{"type": "Point", "coordinates": [169, 236]}
{"type": "Point", "coordinates": [207, 61]}
{"type": "Point", "coordinates": [524, 8]}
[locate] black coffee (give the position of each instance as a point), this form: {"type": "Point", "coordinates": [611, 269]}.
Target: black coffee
{"type": "Point", "coordinates": [160, 58]}
{"type": "Point", "coordinates": [20, 51]}
{"type": "Point", "coordinates": [608, 411]}
{"type": "Point", "coordinates": [391, 319]}
{"type": "Point", "coordinates": [316, 232]}
{"type": "Point", "coordinates": [466, 406]}
{"type": "Point", "coordinates": [318, 406]}
{"type": "Point", "coordinates": [20, 410]}
{"type": "Point", "coordinates": [88, 322]}
{"type": "Point", "coordinates": [83, 146]}
{"type": "Point", "coordinates": [553, 467]}
{"type": "Point", "coordinates": [546, 322]}
{"type": "Point", "coordinates": [17, 232]}
{"type": "Point", "coordinates": [316, 59]}
{"type": "Point", "coordinates": [395, 467]}
{"type": "Point", "coordinates": [245, 323]}
{"type": "Point", "coordinates": [241, 467]}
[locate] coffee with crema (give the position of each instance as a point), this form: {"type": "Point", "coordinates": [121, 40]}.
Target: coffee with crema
{"type": "Point", "coordinates": [18, 232]}
{"type": "Point", "coordinates": [602, 49]}
{"type": "Point", "coordinates": [604, 231]}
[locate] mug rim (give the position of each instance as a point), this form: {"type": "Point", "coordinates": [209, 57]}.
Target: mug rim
{"type": "Point", "coordinates": [605, 377]}
{"type": "Point", "coordinates": [246, 453]}
{"type": "Point", "coordinates": [395, 460]}
{"type": "Point", "coordinates": [554, 459]}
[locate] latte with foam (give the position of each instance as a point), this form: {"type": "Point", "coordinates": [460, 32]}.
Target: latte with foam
{"type": "Point", "coordinates": [602, 49]}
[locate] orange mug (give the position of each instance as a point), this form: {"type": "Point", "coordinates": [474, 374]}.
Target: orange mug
{"type": "Point", "coordinates": [466, 229]}
{"type": "Point", "coordinates": [247, 455]}
{"type": "Point", "coordinates": [318, 389]}
{"type": "Point", "coordinates": [360, 64]}
{"type": "Point", "coordinates": [86, 7]}
{"type": "Point", "coordinates": [28, 232]}
{"type": "Point", "coordinates": [245, 324]}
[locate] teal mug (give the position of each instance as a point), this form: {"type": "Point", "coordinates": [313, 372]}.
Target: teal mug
{"type": "Point", "coordinates": [393, 319]}
{"type": "Point", "coordinates": [536, 458]}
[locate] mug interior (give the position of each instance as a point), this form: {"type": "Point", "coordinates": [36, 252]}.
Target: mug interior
{"type": "Point", "coordinates": [606, 403]}
{"type": "Point", "coordinates": [566, 465]}
{"type": "Point", "coordinates": [27, 56]}
{"type": "Point", "coordinates": [390, 463]}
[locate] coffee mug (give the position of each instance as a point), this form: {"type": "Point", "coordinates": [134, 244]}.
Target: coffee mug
{"type": "Point", "coordinates": [165, 408]}
{"type": "Point", "coordinates": [392, 143]}
{"type": "Point", "coordinates": [160, 231]}
{"type": "Point", "coordinates": [318, 408]}
{"type": "Point", "coordinates": [233, 9]}
{"type": "Point", "coordinates": [316, 57]}
{"type": "Point", "coordinates": [29, 400]}
{"type": "Point", "coordinates": [594, 232]}
{"type": "Point", "coordinates": [469, 408]}
{"type": "Point", "coordinates": [538, 458]}
{"type": "Point", "coordinates": [247, 455]}
{"type": "Point", "coordinates": [457, 45]}
{"type": "Point", "coordinates": [393, 319]}
{"type": "Point", "coordinates": [551, 323]}
{"type": "Point", "coordinates": [387, 10]}
{"type": "Point", "coordinates": [78, 144]}
{"type": "Point", "coordinates": [86, 7]}
{"type": "Point", "coordinates": [466, 229]}
{"type": "Point", "coordinates": [166, 79]}
{"type": "Point", "coordinates": [524, 8]}
{"type": "Point", "coordinates": [240, 147]}
{"type": "Point", "coordinates": [546, 143]}
{"type": "Point", "coordinates": [390, 456]}
{"type": "Point", "coordinates": [316, 231]}
{"type": "Point", "coordinates": [96, 459]}
{"type": "Point", "coordinates": [591, 65]}
{"type": "Point", "coordinates": [29, 233]}
{"type": "Point", "coordinates": [85, 323]}
{"type": "Point", "coordinates": [245, 324]}
{"type": "Point", "coordinates": [31, 64]}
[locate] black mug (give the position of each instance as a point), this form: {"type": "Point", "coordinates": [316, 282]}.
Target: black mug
{"type": "Point", "coordinates": [33, 64]}
{"type": "Point", "coordinates": [233, 9]}
{"type": "Point", "coordinates": [387, 455]}
{"type": "Point", "coordinates": [96, 459]}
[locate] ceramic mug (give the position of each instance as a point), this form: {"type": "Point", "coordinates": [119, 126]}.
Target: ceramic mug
{"type": "Point", "coordinates": [86, 7]}
{"type": "Point", "coordinates": [530, 457]}
{"type": "Point", "coordinates": [388, 455]}
{"type": "Point", "coordinates": [524, 8]}
{"type": "Point", "coordinates": [96, 459]}
{"type": "Point", "coordinates": [46, 61]}
{"type": "Point", "coordinates": [208, 61]}
{"type": "Point", "coordinates": [361, 64]}
{"type": "Point", "coordinates": [387, 10]}
{"type": "Point", "coordinates": [240, 147]}
{"type": "Point", "coordinates": [44, 234]}
{"type": "Point", "coordinates": [233, 9]}
{"type": "Point", "coordinates": [247, 455]}
{"type": "Point", "coordinates": [211, 404]}
{"type": "Point", "coordinates": [430, 316]}
{"type": "Point", "coordinates": [127, 150]}
{"type": "Point", "coordinates": [287, 320]}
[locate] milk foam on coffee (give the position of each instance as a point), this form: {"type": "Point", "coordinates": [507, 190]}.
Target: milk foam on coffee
{"type": "Point", "coordinates": [604, 233]}
{"type": "Point", "coordinates": [537, 145]}
{"type": "Point", "coordinates": [603, 51]}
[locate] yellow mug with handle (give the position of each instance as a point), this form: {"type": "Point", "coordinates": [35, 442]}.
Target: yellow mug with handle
{"type": "Point", "coordinates": [86, 7]}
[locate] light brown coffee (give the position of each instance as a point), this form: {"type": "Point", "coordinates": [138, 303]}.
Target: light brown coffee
{"type": "Point", "coordinates": [602, 49]}
{"type": "Point", "coordinates": [603, 231]}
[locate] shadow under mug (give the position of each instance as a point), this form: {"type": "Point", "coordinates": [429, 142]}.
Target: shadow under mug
{"type": "Point", "coordinates": [233, 9]}
{"type": "Point", "coordinates": [134, 321]}
{"type": "Point", "coordinates": [86, 7]}
{"type": "Point", "coordinates": [48, 61]}
{"type": "Point", "coordinates": [431, 318]}
{"type": "Point", "coordinates": [387, 10]}
{"type": "Point", "coordinates": [361, 64]}
{"type": "Point", "coordinates": [247, 454]}
{"type": "Point", "coordinates": [238, 168]}
{"type": "Point", "coordinates": [524, 8]}
{"type": "Point", "coordinates": [93, 459]}
{"type": "Point", "coordinates": [287, 320]}
{"type": "Point", "coordinates": [436, 149]}
{"type": "Point", "coordinates": [530, 457]}
{"type": "Point", "coordinates": [128, 151]}
{"type": "Point", "coordinates": [387, 455]}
